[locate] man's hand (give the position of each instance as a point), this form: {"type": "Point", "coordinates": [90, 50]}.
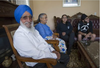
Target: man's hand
{"type": "Point", "coordinates": [87, 35]}
{"type": "Point", "coordinates": [63, 33]}
{"type": "Point", "coordinates": [57, 53]}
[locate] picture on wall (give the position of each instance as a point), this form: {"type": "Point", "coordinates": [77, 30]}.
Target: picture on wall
{"type": "Point", "coordinates": [71, 3]}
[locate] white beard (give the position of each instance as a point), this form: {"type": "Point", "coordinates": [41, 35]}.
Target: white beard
{"type": "Point", "coordinates": [30, 29]}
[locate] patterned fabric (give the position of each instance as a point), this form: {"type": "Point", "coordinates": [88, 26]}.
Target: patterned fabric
{"type": "Point", "coordinates": [62, 45]}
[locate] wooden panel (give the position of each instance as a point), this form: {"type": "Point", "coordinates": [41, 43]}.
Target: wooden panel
{"type": "Point", "coordinates": [7, 9]}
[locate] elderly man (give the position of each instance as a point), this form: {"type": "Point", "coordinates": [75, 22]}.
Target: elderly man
{"type": "Point", "coordinates": [28, 42]}
{"type": "Point", "coordinates": [85, 29]}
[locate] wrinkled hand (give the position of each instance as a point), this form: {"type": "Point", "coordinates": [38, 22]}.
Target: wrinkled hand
{"type": "Point", "coordinates": [63, 33]}
{"type": "Point", "coordinates": [57, 53]}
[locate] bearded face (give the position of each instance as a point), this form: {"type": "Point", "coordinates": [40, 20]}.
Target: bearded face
{"type": "Point", "coordinates": [28, 24]}
{"type": "Point", "coordinates": [86, 20]}
{"type": "Point", "coordinates": [26, 19]}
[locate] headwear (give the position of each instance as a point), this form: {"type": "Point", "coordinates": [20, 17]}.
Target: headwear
{"type": "Point", "coordinates": [83, 16]}
{"type": "Point", "coordinates": [19, 11]}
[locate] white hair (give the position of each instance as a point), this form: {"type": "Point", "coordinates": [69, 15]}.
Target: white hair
{"type": "Point", "coordinates": [31, 29]}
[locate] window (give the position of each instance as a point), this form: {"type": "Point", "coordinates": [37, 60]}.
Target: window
{"type": "Point", "coordinates": [71, 3]}
{"type": "Point", "coordinates": [26, 2]}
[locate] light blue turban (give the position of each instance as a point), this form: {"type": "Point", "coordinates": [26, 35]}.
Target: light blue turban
{"type": "Point", "coordinates": [19, 11]}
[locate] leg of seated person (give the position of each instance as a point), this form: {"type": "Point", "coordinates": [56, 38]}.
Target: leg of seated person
{"type": "Point", "coordinates": [59, 65]}
{"type": "Point", "coordinates": [64, 59]}
{"type": "Point", "coordinates": [71, 41]}
{"type": "Point", "coordinates": [43, 65]}
{"type": "Point", "coordinates": [40, 65]}
{"type": "Point", "coordinates": [65, 38]}
{"type": "Point", "coordinates": [93, 36]}
{"type": "Point", "coordinates": [79, 37]}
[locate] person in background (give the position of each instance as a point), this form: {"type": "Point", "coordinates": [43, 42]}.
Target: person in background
{"type": "Point", "coordinates": [29, 43]}
{"type": "Point", "coordinates": [85, 29]}
{"type": "Point", "coordinates": [46, 32]}
{"type": "Point", "coordinates": [64, 28]}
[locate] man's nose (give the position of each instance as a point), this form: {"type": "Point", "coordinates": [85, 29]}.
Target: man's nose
{"type": "Point", "coordinates": [28, 19]}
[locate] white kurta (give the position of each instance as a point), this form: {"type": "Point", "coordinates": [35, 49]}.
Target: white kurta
{"type": "Point", "coordinates": [32, 45]}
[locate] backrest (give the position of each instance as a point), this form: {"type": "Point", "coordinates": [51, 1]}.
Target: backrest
{"type": "Point", "coordinates": [10, 29]}
{"type": "Point", "coordinates": [75, 24]}
{"type": "Point", "coordinates": [57, 20]}
{"type": "Point", "coordinates": [95, 23]}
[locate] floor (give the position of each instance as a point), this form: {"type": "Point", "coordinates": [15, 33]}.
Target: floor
{"type": "Point", "coordinates": [74, 60]}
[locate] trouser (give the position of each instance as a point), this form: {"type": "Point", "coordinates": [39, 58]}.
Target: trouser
{"type": "Point", "coordinates": [61, 64]}
{"type": "Point", "coordinates": [70, 39]}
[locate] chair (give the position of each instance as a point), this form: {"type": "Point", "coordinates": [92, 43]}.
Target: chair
{"type": "Point", "coordinates": [10, 29]}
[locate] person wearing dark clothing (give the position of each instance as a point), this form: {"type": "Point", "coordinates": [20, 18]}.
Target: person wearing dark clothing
{"type": "Point", "coordinates": [64, 29]}
{"type": "Point", "coordinates": [85, 29]}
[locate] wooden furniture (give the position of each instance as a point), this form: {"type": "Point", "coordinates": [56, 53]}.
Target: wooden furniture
{"type": "Point", "coordinates": [75, 19]}
{"type": "Point", "coordinates": [10, 31]}
{"type": "Point", "coordinates": [7, 13]}
{"type": "Point", "coordinates": [6, 17]}
{"type": "Point", "coordinates": [89, 52]}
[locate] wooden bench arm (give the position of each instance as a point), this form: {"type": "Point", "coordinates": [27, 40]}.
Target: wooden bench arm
{"type": "Point", "coordinates": [55, 44]}
{"type": "Point", "coordinates": [44, 60]}
{"type": "Point", "coordinates": [56, 34]}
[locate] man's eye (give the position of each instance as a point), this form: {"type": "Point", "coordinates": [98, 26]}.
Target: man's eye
{"type": "Point", "coordinates": [25, 17]}
{"type": "Point", "coordinates": [30, 17]}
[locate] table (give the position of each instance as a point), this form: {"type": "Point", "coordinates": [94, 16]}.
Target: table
{"type": "Point", "coordinates": [90, 52]}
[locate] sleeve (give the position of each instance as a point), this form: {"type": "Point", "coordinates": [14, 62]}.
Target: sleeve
{"type": "Point", "coordinates": [90, 27]}
{"type": "Point", "coordinates": [79, 27]}
{"type": "Point", "coordinates": [40, 30]}
{"type": "Point", "coordinates": [58, 29]}
{"type": "Point", "coordinates": [26, 49]}
{"type": "Point", "coordinates": [51, 48]}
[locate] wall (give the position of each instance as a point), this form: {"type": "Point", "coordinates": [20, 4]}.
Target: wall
{"type": "Point", "coordinates": [54, 8]}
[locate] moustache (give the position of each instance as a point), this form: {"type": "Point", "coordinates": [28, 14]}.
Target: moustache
{"type": "Point", "coordinates": [27, 23]}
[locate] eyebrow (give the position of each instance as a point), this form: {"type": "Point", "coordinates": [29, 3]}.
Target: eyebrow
{"type": "Point", "coordinates": [26, 15]}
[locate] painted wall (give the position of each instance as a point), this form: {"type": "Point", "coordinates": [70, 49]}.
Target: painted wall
{"type": "Point", "coordinates": [54, 8]}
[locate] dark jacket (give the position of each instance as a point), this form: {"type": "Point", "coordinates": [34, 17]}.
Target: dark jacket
{"type": "Point", "coordinates": [64, 28]}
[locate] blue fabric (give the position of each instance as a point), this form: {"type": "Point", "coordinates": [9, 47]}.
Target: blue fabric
{"type": "Point", "coordinates": [19, 11]}
{"type": "Point", "coordinates": [44, 30]}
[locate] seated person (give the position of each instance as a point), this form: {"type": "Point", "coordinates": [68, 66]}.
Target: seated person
{"type": "Point", "coordinates": [85, 29]}
{"type": "Point", "coordinates": [46, 33]}
{"type": "Point", "coordinates": [65, 30]}
{"type": "Point", "coordinates": [29, 43]}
